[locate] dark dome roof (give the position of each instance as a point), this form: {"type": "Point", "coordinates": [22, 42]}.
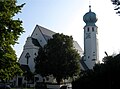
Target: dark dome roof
{"type": "Point", "coordinates": [90, 18]}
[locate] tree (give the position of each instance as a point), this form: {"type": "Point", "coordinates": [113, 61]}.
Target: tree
{"type": "Point", "coordinates": [58, 58]}
{"type": "Point", "coordinates": [10, 30]}
{"type": "Point", "coordinates": [105, 75]}
{"type": "Point", "coordinates": [8, 65]}
{"type": "Point", "coordinates": [117, 5]}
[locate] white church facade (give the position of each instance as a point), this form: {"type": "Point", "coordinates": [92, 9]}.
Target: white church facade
{"type": "Point", "coordinates": [40, 36]}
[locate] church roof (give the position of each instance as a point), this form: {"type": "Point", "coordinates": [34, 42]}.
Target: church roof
{"type": "Point", "coordinates": [83, 64]}
{"type": "Point", "coordinates": [46, 32]}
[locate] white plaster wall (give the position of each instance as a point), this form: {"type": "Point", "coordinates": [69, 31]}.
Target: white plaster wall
{"type": "Point", "coordinates": [32, 50]}
{"type": "Point", "coordinates": [31, 60]}
{"type": "Point", "coordinates": [78, 48]}
{"type": "Point", "coordinates": [90, 46]}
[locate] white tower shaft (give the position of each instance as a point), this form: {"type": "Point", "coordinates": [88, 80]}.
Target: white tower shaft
{"type": "Point", "coordinates": [91, 53]}
{"type": "Point", "coordinates": [90, 46]}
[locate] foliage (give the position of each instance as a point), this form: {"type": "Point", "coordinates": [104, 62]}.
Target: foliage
{"type": "Point", "coordinates": [29, 76]}
{"type": "Point", "coordinates": [58, 58]}
{"type": "Point", "coordinates": [8, 65]}
{"type": "Point", "coordinates": [10, 30]}
{"type": "Point", "coordinates": [117, 5]}
{"type": "Point", "coordinates": [104, 75]}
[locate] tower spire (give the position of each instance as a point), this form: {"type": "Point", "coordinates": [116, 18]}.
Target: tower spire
{"type": "Point", "coordinates": [89, 6]}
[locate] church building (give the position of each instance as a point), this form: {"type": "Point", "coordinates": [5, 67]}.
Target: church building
{"type": "Point", "coordinates": [40, 36]}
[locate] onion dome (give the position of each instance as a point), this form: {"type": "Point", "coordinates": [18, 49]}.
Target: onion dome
{"type": "Point", "coordinates": [90, 18]}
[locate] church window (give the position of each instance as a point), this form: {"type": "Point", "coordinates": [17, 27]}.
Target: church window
{"type": "Point", "coordinates": [88, 57]}
{"type": "Point", "coordinates": [27, 56]}
{"type": "Point", "coordinates": [93, 59]}
{"type": "Point", "coordinates": [88, 29]}
{"type": "Point", "coordinates": [93, 29]}
{"type": "Point", "coordinates": [93, 53]}
{"type": "Point", "coordinates": [35, 53]}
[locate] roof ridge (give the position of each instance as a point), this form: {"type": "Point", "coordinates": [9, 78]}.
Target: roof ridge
{"type": "Point", "coordinates": [46, 29]}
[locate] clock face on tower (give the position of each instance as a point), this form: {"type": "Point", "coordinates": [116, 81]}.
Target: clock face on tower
{"type": "Point", "coordinates": [88, 35]}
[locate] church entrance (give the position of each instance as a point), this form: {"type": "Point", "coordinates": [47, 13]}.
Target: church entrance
{"type": "Point", "coordinates": [19, 82]}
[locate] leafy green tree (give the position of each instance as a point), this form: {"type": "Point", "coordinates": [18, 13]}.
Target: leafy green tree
{"type": "Point", "coordinates": [29, 76]}
{"type": "Point", "coordinates": [105, 75]}
{"type": "Point", "coordinates": [58, 58]}
{"type": "Point", "coordinates": [10, 30]}
{"type": "Point", "coordinates": [117, 5]}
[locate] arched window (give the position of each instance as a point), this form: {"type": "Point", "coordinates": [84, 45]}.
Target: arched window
{"type": "Point", "coordinates": [88, 29]}
{"type": "Point", "coordinates": [27, 56]}
{"type": "Point", "coordinates": [92, 29]}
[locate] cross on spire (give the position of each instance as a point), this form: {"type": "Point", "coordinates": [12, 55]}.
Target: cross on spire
{"type": "Point", "coordinates": [89, 6]}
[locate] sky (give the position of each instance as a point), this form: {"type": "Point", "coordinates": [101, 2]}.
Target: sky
{"type": "Point", "coordinates": [66, 16]}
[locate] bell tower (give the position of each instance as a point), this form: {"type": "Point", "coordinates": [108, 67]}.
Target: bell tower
{"type": "Point", "coordinates": [91, 54]}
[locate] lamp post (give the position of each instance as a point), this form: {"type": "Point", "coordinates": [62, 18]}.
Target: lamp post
{"type": "Point", "coordinates": [27, 56]}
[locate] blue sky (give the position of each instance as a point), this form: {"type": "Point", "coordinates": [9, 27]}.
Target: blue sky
{"type": "Point", "coordinates": [66, 16]}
